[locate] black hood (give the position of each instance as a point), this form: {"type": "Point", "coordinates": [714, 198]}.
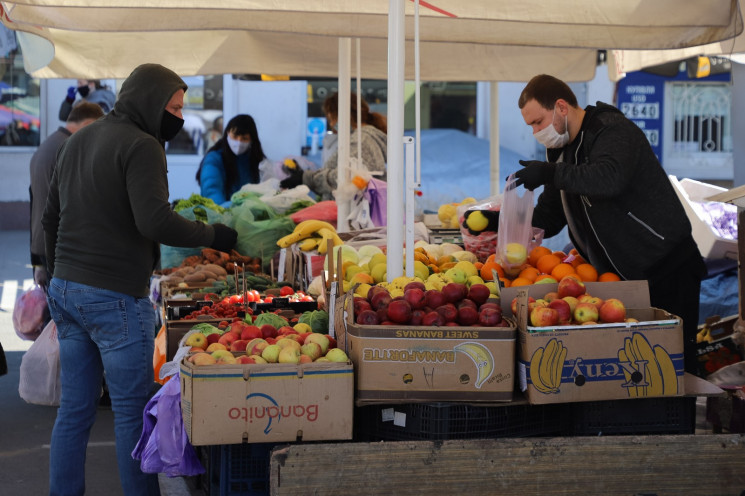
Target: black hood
{"type": "Point", "coordinates": [145, 94]}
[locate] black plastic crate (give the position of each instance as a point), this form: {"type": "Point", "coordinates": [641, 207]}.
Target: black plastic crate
{"type": "Point", "coordinates": [445, 421]}
{"type": "Point", "coordinates": [236, 469]}
{"type": "Point", "coordinates": [640, 416]}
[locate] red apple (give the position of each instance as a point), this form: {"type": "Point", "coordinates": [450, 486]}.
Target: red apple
{"type": "Point", "coordinates": [245, 359]}
{"type": "Point", "coordinates": [572, 302]}
{"type": "Point", "coordinates": [435, 298]}
{"type": "Point", "coordinates": [268, 331]}
{"type": "Point", "coordinates": [540, 302]}
{"type": "Point", "coordinates": [563, 310]}
{"type": "Point", "coordinates": [368, 317]}
{"type": "Point", "coordinates": [570, 286]}
{"type": "Point", "coordinates": [467, 315]}
{"type": "Point", "coordinates": [399, 312]}
{"type": "Point", "coordinates": [361, 304]}
{"type": "Point", "coordinates": [375, 290]}
{"type": "Point", "coordinates": [585, 312]}
{"type": "Point", "coordinates": [415, 297]}
{"type": "Point", "coordinates": [238, 345]}
{"type": "Point", "coordinates": [513, 305]}
{"type": "Point", "coordinates": [433, 319]}
{"type": "Point", "coordinates": [380, 300]}
{"type": "Point", "coordinates": [544, 317]}
{"type": "Point", "coordinates": [448, 311]}
{"type": "Point", "coordinates": [488, 317]}
{"type": "Point", "coordinates": [468, 303]}
{"type": "Point", "coordinates": [551, 296]}
{"type": "Point", "coordinates": [490, 304]}
{"type": "Point", "coordinates": [237, 327]}
{"type": "Point", "coordinates": [227, 339]}
{"type": "Point", "coordinates": [454, 292]}
{"type": "Point", "coordinates": [414, 284]}
{"type": "Point", "coordinates": [285, 330]}
{"type": "Point", "coordinates": [256, 346]}
{"type": "Point", "coordinates": [382, 314]}
{"type": "Point", "coordinates": [586, 298]}
{"type": "Point", "coordinates": [612, 310]}
{"type": "Point", "coordinates": [213, 338]}
{"type": "Point", "coordinates": [479, 293]}
{"type": "Point", "coordinates": [416, 317]}
{"type": "Point", "coordinates": [250, 332]}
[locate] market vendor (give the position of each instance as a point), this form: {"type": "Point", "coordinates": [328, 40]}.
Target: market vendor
{"type": "Point", "coordinates": [234, 160]}
{"type": "Point", "coordinates": [373, 148]}
{"type": "Point", "coordinates": [106, 215]}
{"type": "Point", "coordinates": [602, 179]}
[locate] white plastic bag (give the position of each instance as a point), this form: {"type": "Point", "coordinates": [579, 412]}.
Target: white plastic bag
{"type": "Point", "coordinates": [30, 313]}
{"type": "Point", "coordinates": [40, 371]}
{"type": "Point", "coordinates": [515, 226]}
{"type": "Point", "coordinates": [283, 200]}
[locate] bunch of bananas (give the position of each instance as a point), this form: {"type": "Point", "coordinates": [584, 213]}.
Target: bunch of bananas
{"type": "Point", "coordinates": [704, 335]}
{"type": "Point", "coordinates": [546, 367]}
{"type": "Point", "coordinates": [311, 235]}
{"type": "Point", "coordinates": [659, 371]}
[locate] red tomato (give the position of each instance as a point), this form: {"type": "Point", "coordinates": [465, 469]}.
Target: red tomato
{"type": "Point", "coordinates": [236, 299]}
{"type": "Point", "coordinates": [268, 299]}
{"type": "Point", "coordinates": [286, 291]}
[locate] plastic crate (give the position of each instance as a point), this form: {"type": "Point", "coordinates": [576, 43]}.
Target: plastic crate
{"type": "Point", "coordinates": [641, 416]}
{"type": "Point", "coordinates": [236, 469]}
{"type": "Point", "coordinates": [446, 421]}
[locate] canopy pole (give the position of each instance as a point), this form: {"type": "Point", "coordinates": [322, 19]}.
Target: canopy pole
{"type": "Point", "coordinates": [344, 124]}
{"type": "Point", "coordinates": [395, 198]}
{"type": "Point", "coordinates": [359, 104]}
{"type": "Point", "coordinates": [494, 137]}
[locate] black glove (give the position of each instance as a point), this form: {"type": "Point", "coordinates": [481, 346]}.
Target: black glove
{"type": "Point", "coordinates": [478, 221]}
{"type": "Point", "coordinates": [225, 238]}
{"type": "Point", "coordinates": [535, 173]}
{"type": "Point", "coordinates": [294, 179]}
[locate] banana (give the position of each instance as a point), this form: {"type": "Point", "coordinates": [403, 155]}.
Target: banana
{"type": "Point", "coordinates": [653, 375]}
{"type": "Point", "coordinates": [631, 358]}
{"type": "Point", "coordinates": [308, 244]}
{"type": "Point", "coordinates": [548, 357]}
{"type": "Point", "coordinates": [303, 230]}
{"type": "Point", "coordinates": [669, 378]}
{"type": "Point", "coordinates": [559, 366]}
{"type": "Point", "coordinates": [481, 357]}
{"type": "Point", "coordinates": [535, 378]}
{"type": "Point", "coordinates": [623, 358]}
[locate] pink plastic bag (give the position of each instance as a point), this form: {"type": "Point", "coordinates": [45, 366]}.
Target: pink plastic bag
{"type": "Point", "coordinates": [30, 314]}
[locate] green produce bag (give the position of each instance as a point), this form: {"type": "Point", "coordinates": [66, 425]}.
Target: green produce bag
{"type": "Point", "coordinates": [172, 256]}
{"type": "Point", "coordinates": [259, 238]}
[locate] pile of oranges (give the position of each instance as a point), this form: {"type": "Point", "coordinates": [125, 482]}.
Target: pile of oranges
{"type": "Point", "coordinates": [544, 264]}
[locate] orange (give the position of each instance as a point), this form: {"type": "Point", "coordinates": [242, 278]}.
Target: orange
{"type": "Point", "coordinates": [490, 258]}
{"type": "Point", "coordinates": [505, 282]}
{"type": "Point", "coordinates": [478, 265]}
{"type": "Point", "coordinates": [560, 254]}
{"type": "Point", "coordinates": [608, 277]}
{"type": "Point", "coordinates": [586, 272]}
{"type": "Point", "coordinates": [547, 263]}
{"type": "Point", "coordinates": [485, 271]}
{"type": "Point", "coordinates": [578, 260]}
{"type": "Point", "coordinates": [545, 276]}
{"type": "Point", "coordinates": [529, 273]}
{"type": "Point", "coordinates": [537, 253]}
{"type": "Point", "coordinates": [520, 281]}
{"type": "Point", "coordinates": [561, 270]}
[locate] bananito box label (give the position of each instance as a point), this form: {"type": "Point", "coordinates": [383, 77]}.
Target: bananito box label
{"type": "Point", "coordinates": [229, 404]}
{"type": "Point", "coordinates": [603, 362]}
{"type": "Point", "coordinates": [417, 363]}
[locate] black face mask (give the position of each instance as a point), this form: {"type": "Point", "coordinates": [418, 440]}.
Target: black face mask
{"type": "Point", "coordinates": [84, 90]}
{"type": "Point", "coordinates": [170, 126]}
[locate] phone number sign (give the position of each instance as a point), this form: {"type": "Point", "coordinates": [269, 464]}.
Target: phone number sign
{"type": "Point", "coordinates": [641, 100]}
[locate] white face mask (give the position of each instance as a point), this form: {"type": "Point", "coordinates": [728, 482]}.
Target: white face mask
{"type": "Point", "coordinates": [238, 147]}
{"type": "Point", "coordinates": [550, 138]}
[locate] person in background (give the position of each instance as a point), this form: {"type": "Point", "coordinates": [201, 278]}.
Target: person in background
{"type": "Point", "coordinates": [106, 215]}
{"type": "Point", "coordinates": [90, 90]}
{"type": "Point", "coordinates": [236, 159]}
{"type": "Point", "coordinates": [373, 145]}
{"type": "Point", "coordinates": [602, 179]}
{"type": "Point", "coordinates": [41, 168]}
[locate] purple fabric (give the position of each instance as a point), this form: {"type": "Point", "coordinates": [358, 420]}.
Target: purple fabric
{"type": "Point", "coordinates": [376, 195]}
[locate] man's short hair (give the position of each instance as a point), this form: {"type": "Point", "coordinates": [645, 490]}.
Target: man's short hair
{"type": "Point", "coordinates": [545, 90]}
{"type": "Point", "coordinates": [84, 111]}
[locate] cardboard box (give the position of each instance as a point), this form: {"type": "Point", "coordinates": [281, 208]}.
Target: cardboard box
{"type": "Point", "coordinates": [692, 194]}
{"type": "Point", "coordinates": [416, 363]}
{"type": "Point", "coordinates": [229, 404]}
{"type": "Point", "coordinates": [719, 350]}
{"type": "Point", "coordinates": [600, 362]}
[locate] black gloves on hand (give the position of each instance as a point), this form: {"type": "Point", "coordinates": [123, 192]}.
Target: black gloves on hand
{"type": "Point", "coordinates": [478, 221]}
{"type": "Point", "coordinates": [535, 173]}
{"type": "Point", "coordinates": [295, 178]}
{"type": "Point", "coordinates": [225, 238]}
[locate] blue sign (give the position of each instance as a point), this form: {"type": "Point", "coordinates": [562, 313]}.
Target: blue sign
{"type": "Point", "coordinates": [641, 99]}
{"type": "Point", "coordinates": [316, 127]}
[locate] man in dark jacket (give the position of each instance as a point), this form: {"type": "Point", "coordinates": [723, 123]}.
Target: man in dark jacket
{"type": "Point", "coordinates": [41, 169]}
{"type": "Point", "coordinates": [106, 214]}
{"type": "Point", "coordinates": [603, 181]}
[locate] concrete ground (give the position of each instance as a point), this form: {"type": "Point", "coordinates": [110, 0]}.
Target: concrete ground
{"type": "Point", "coordinates": [25, 429]}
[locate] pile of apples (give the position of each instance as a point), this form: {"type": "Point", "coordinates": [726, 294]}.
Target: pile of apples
{"type": "Point", "coordinates": [248, 344]}
{"type": "Point", "coordinates": [570, 304]}
{"type": "Point", "coordinates": [454, 305]}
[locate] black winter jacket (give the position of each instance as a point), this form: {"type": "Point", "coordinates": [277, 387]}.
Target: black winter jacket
{"type": "Point", "coordinates": [623, 213]}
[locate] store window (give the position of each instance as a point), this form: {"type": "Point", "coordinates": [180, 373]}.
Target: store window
{"type": "Point", "coordinates": [19, 96]}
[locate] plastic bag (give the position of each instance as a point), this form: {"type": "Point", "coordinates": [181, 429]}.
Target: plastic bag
{"type": "Point", "coordinates": [515, 227]}
{"type": "Point", "coordinates": [258, 237]}
{"type": "Point", "coordinates": [324, 210]}
{"type": "Point", "coordinates": [30, 314]}
{"type": "Point", "coordinates": [282, 201]}
{"type": "Point", "coordinates": [159, 354]}
{"type": "Point", "coordinates": [164, 445]}
{"type": "Point", "coordinates": [172, 256]}
{"type": "Point", "coordinates": [485, 243]}
{"type": "Point", "coordinates": [376, 194]}
{"type": "Point", "coordinates": [39, 382]}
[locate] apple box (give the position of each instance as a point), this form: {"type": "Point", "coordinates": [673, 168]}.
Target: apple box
{"type": "Point", "coordinates": [276, 402]}
{"type": "Point", "coordinates": [405, 364]}
{"type": "Point", "coordinates": [572, 363]}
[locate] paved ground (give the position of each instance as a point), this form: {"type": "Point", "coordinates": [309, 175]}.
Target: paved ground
{"type": "Point", "coordinates": [26, 429]}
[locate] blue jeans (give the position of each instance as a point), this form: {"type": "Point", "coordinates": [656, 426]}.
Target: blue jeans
{"type": "Point", "coordinates": [100, 331]}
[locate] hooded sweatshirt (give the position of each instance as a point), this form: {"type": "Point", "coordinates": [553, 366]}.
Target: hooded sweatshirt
{"type": "Point", "coordinates": [374, 153]}
{"type": "Point", "coordinates": [108, 209]}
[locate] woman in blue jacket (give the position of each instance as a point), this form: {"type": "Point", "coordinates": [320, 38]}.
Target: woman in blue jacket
{"type": "Point", "coordinates": [234, 160]}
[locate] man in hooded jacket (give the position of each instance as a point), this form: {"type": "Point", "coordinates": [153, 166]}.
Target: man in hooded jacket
{"type": "Point", "coordinates": [603, 180]}
{"type": "Point", "coordinates": [106, 215]}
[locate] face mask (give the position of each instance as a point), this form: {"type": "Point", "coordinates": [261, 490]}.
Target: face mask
{"type": "Point", "coordinates": [170, 125]}
{"type": "Point", "coordinates": [550, 138]}
{"type": "Point", "coordinates": [238, 147]}
{"type": "Point", "coordinates": [84, 90]}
